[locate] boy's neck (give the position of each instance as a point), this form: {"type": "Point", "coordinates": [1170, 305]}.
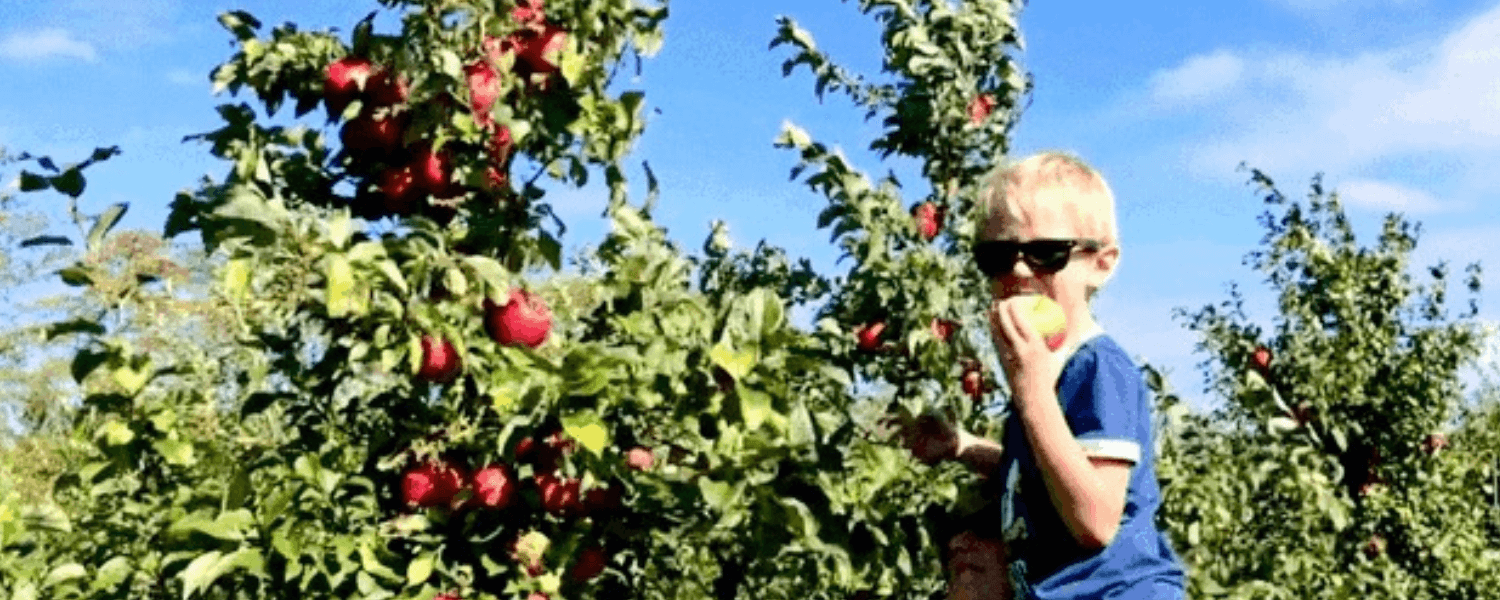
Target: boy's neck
{"type": "Point", "coordinates": [1085, 331]}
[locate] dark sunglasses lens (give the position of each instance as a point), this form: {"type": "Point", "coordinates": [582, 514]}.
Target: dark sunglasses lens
{"type": "Point", "coordinates": [1049, 257]}
{"type": "Point", "coordinates": [994, 258]}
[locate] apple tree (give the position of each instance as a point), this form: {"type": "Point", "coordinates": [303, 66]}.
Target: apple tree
{"type": "Point", "coordinates": [1332, 468]}
{"type": "Point", "coordinates": [412, 403]}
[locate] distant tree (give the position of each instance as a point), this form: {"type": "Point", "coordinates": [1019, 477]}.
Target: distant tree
{"type": "Point", "coordinates": [1334, 468]}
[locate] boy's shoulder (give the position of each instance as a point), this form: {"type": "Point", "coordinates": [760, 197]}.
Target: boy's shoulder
{"type": "Point", "coordinates": [1098, 349]}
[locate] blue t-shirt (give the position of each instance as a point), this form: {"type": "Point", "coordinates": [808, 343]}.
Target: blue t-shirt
{"type": "Point", "coordinates": [1106, 404]}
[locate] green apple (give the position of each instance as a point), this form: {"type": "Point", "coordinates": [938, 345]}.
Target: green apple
{"type": "Point", "coordinates": [1046, 317]}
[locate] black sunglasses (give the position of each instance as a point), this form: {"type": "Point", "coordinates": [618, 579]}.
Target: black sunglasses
{"type": "Point", "coordinates": [1045, 257]}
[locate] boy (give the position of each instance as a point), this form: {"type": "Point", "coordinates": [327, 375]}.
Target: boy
{"type": "Point", "coordinates": [1075, 466]}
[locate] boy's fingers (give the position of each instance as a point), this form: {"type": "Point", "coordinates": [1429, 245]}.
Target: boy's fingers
{"type": "Point", "coordinates": [1020, 327]}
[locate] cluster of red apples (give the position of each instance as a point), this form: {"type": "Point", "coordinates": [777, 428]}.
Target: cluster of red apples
{"type": "Point", "coordinates": [441, 484]}
{"type": "Point", "coordinates": [400, 170]}
{"type": "Point", "coordinates": [927, 218]}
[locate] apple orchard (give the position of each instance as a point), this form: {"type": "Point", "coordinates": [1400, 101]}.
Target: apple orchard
{"type": "Point", "coordinates": [419, 402]}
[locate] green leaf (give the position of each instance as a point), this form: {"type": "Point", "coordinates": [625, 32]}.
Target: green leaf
{"type": "Point", "coordinates": [588, 429]}
{"type": "Point", "coordinates": [551, 250]}
{"type": "Point", "coordinates": [133, 377]}
{"type": "Point", "coordinates": [339, 230]}
{"type": "Point", "coordinates": [46, 240]}
{"type": "Point", "coordinates": [112, 573]}
{"type": "Point", "coordinates": [455, 282]}
{"type": "Point", "coordinates": [76, 276]}
{"type": "Point", "coordinates": [371, 564]}
{"type": "Point", "coordinates": [419, 569]}
{"type": "Point", "coordinates": [70, 182]}
{"type": "Point", "coordinates": [115, 433]}
{"type": "Point", "coordinates": [793, 136]}
{"type": "Point", "coordinates": [489, 271]}
{"type": "Point", "coordinates": [340, 281]}
{"type": "Point", "coordinates": [237, 278]}
{"type": "Point", "coordinates": [736, 362]}
{"type": "Point", "coordinates": [78, 325]}
{"type": "Point", "coordinates": [176, 452]}
{"type": "Point", "coordinates": [717, 494]}
{"type": "Point", "coordinates": [31, 182]}
{"type": "Point", "coordinates": [392, 273]}
{"type": "Point", "coordinates": [237, 491]}
{"type": "Point", "coordinates": [86, 361]}
{"type": "Point", "coordinates": [201, 573]}
{"type": "Point", "coordinates": [106, 222]}
{"type": "Point", "coordinates": [209, 567]}
{"type": "Point", "coordinates": [50, 517]}
{"type": "Point", "coordinates": [755, 405]}
{"type": "Point", "coordinates": [104, 153]}
{"type": "Point", "coordinates": [63, 573]}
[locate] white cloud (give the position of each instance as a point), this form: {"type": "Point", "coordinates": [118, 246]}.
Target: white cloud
{"type": "Point", "coordinates": [45, 43]}
{"type": "Point", "coordinates": [1198, 78]}
{"type": "Point", "coordinates": [1386, 196]}
{"type": "Point", "coordinates": [1289, 112]}
{"type": "Point", "coordinates": [121, 24]}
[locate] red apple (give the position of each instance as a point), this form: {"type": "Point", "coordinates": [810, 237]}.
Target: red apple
{"type": "Point", "coordinates": [1375, 547]}
{"type": "Point", "coordinates": [342, 82]}
{"type": "Point", "coordinates": [561, 497]}
{"type": "Point", "coordinates": [1433, 443]}
{"type": "Point", "coordinates": [943, 329]}
{"type": "Point", "coordinates": [448, 596]}
{"type": "Point", "coordinates": [537, 596]}
{"type": "Point", "coordinates": [1261, 359]}
{"type": "Point", "coordinates": [548, 485]}
{"type": "Point", "coordinates": [639, 458]}
{"type": "Point", "coordinates": [929, 219]}
{"type": "Point", "coordinates": [980, 108]}
{"type": "Point", "coordinates": [440, 362]}
{"type": "Point", "coordinates": [500, 146]}
{"type": "Point", "coordinates": [552, 450]}
{"type": "Point", "coordinates": [368, 134]}
{"type": "Point", "coordinates": [494, 486]}
{"type": "Point", "coordinates": [869, 336]}
{"type": "Point", "coordinates": [973, 383]}
{"type": "Point", "coordinates": [590, 564]}
{"type": "Point", "coordinates": [603, 500]}
{"type": "Point", "coordinates": [541, 50]}
{"type": "Point", "coordinates": [484, 89]}
{"type": "Point", "coordinates": [434, 171]}
{"type": "Point", "coordinates": [398, 189]}
{"type": "Point", "coordinates": [385, 89]}
{"type": "Point", "coordinates": [432, 483]}
{"type": "Point", "coordinates": [528, 12]}
{"type": "Point", "coordinates": [524, 321]}
{"type": "Point", "coordinates": [525, 447]}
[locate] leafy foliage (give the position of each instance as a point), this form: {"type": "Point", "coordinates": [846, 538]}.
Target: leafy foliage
{"type": "Point", "coordinates": [1329, 470]}
{"type": "Point", "coordinates": [309, 456]}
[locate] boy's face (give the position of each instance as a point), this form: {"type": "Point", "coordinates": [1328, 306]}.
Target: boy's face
{"type": "Point", "coordinates": [1043, 219]}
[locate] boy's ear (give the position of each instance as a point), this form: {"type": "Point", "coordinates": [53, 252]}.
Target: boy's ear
{"type": "Point", "coordinates": [1105, 263]}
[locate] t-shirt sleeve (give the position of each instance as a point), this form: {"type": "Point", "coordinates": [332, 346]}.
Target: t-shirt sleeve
{"type": "Point", "coordinates": [1103, 407]}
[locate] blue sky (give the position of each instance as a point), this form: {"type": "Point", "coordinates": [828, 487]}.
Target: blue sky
{"type": "Point", "coordinates": [1396, 101]}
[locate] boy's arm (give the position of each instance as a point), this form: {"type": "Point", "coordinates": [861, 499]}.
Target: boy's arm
{"type": "Point", "coordinates": [932, 439]}
{"type": "Point", "coordinates": [1089, 493]}
{"type": "Point", "coordinates": [980, 454]}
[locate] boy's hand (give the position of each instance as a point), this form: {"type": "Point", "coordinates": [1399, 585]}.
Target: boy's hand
{"type": "Point", "coordinates": [1030, 368]}
{"type": "Point", "coordinates": [929, 438]}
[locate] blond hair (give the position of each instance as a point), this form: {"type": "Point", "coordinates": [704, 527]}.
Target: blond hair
{"type": "Point", "coordinates": [1010, 192]}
